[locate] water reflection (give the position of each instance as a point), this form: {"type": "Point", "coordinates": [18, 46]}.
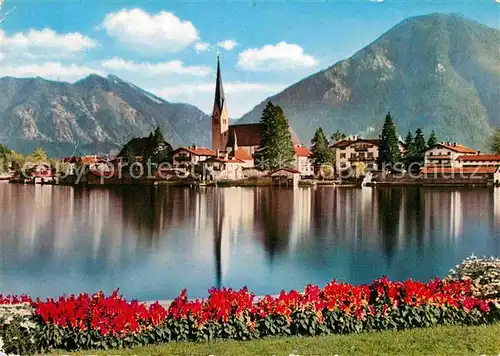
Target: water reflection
{"type": "Point", "coordinates": [152, 242]}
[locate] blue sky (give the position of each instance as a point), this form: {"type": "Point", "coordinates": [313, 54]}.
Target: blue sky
{"type": "Point", "coordinates": [170, 47]}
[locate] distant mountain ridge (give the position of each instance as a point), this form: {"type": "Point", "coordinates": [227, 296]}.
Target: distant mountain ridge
{"type": "Point", "coordinates": [92, 115]}
{"type": "Point", "coordinates": [437, 72]}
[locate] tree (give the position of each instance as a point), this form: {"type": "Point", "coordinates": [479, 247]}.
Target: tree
{"type": "Point", "coordinates": [420, 146]}
{"type": "Point", "coordinates": [276, 146]}
{"type": "Point", "coordinates": [337, 136]}
{"type": "Point", "coordinates": [495, 142]}
{"type": "Point", "coordinates": [38, 156]}
{"type": "Point", "coordinates": [320, 148]}
{"type": "Point", "coordinates": [389, 154]}
{"type": "Point", "coordinates": [409, 155]}
{"type": "Point", "coordinates": [432, 141]}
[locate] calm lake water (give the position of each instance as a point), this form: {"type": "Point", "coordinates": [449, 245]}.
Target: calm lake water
{"type": "Point", "coordinates": [153, 242]}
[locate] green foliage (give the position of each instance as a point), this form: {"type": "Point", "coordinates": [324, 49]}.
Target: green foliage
{"type": "Point", "coordinates": [390, 154]}
{"type": "Point", "coordinates": [420, 146]}
{"type": "Point", "coordinates": [410, 153]}
{"type": "Point", "coordinates": [432, 141]}
{"type": "Point", "coordinates": [276, 141]}
{"type": "Point", "coordinates": [320, 148]}
{"type": "Point", "coordinates": [495, 142]}
{"type": "Point", "coordinates": [17, 330]}
{"type": "Point", "coordinates": [38, 156]}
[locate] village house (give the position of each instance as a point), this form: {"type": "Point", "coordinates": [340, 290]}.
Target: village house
{"type": "Point", "coordinates": [216, 168]}
{"type": "Point", "coordinates": [477, 160]}
{"type": "Point", "coordinates": [304, 161]}
{"type": "Point", "coordinates": [191, 156]}
{"type": "Point", "coordinates": [349, 151]}
{"type": "Point", "coordinates": [446, 154]}
{"type": "Point", "coordinates": [286, 176]}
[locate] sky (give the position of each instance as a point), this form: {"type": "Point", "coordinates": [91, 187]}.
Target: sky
{"type": "Point", "coordinates": [169, 47]}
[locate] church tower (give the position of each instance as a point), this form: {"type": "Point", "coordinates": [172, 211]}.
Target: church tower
{"type": "Point", "coordinates": [220, 120]}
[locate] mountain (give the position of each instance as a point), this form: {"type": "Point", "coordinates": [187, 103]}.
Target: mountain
{"type": "Point", "coordinates": [93, 115]}
{"type": "Point", "coordinates": [438, 71]}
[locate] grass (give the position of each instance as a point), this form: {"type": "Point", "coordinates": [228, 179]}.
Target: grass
{"type": "Point", "coordinates": [449, 340]}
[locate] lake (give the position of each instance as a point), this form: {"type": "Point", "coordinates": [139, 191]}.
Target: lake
{"type": "Point", "coordinates": [151, 242]}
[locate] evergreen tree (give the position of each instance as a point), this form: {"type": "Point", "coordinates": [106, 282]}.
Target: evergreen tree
{"type": "Point", "coordinates": [409, 155]}
{"type": "Point", "coordinates": [433, 141]}
{"type": "Point", "coordinates": [420, 146]}
{"type": "Point", "coordinates": [320, 148]}
{"type": "Point", "coordinates": [389, 145]}
{"type": "Point", "coordinates": [276, 146]}
{"type": "Point", "coordinates": [495, 142]}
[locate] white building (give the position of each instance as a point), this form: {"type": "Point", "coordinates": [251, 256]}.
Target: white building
{"type": "Point", "coordinates": [446, 154]}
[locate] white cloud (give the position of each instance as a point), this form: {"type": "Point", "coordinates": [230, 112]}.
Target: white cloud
{"type": "Point", "coordinates": [228, 45]}
{"type": "Point", "coordinates": [48, 70]}
{"type": "Point", "coordinates": [45, 43]}
{"type": "Point", "coordinates": [275, 57]}
{"type": "Point", "coordinates": [146, 68]}
{"type": "Point", "coordinates": [201, 47]}
{"type": "Point", "coordinates": [157, 32]}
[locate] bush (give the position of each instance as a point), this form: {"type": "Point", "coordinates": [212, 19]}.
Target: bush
{"type": "Point", "coordinates": [484, 273]}
{"type": "Point", "coordinates": [17, 329]}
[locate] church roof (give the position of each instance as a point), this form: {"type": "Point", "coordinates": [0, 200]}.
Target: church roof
{"type": "Point", "coordinates": [219, 89]}
{"type": "Point", "coordinates": [249, 135]}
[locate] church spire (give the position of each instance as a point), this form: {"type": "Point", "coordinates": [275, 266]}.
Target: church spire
{"type": "Point", "coordinates": [219, 89]}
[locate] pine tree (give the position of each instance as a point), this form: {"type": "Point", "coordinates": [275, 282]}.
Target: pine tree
{"type": "Point", "coordinates": [148, 152]}
{"type": "Point", "coordinates": [420, 146]}
{"type": "Point", "coordinates": [320, 148]}
{"type": "Point", "coordinates": [129, 154]}
{"type": "Point", "coordinates": [276, 146]}
{"type": "Point", "coordinates": [495, 142]}
{"type": "Point", "coordinates": [433, 141]}
{"type": "Point", "coordinates": [409, 155]}
{"type": "Point", "coordinates": [389, 154]}
{"type": "Point", "coordinates": [160, 148]}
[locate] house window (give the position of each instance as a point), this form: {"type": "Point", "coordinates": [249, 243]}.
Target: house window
{"type": "Point", "coordinates": [343, 165]}
{"type": "Point", "coordinates": [353, 155]}
{"type": "Point", "coordinates": [370, 155]}
{"type": "Point", "coordinates": [342, 155]}
{"type": "Point", "coordinates": [362, 155]}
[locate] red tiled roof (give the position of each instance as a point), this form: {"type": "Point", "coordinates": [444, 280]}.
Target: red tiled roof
{"type": "Point", "coordinates": [302, 151]}
{"type": "Point", "coordinates": [458, 170]}
{"type": "Point", "coordinates": [346, 143]}
{"type": "Point", "coordinates": [479, 158]}
{"type": "Point", "coordinates": [224, 160]}
{"type": "Point", "coordinates": [198, 151]}
{"type": "Point", "coordinates": [456, 148]}
{"type": "Point", "coordinates": [242, 154]}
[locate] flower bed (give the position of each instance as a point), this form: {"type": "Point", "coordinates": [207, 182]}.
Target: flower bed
{"type": "Point", "coordinates": [99, 321]}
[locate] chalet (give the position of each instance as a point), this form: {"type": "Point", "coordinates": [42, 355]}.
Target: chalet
{"type": "Point", "coordinates": [446, 154]}
{"type": "Point", "coordinates": [191, 156]}
{"type": "Point", "coordinates": [349, 151]}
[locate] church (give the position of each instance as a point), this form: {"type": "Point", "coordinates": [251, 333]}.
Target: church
{"type": "Point", "coordinates": [242, 141]}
